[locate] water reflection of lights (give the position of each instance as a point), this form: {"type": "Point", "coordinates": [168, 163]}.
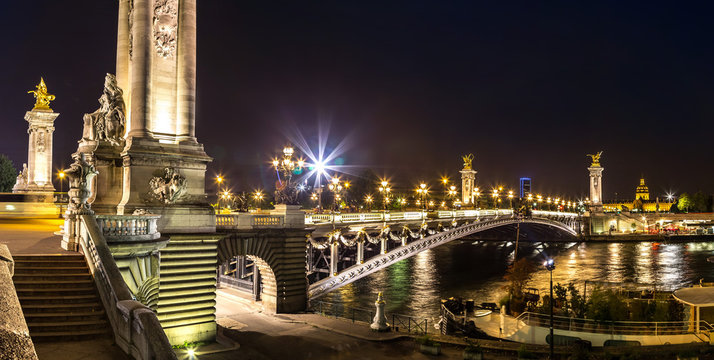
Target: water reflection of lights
{"type": "Point", "coordinates": [644, 271]}
{"type": "Point", "coordinates": [673, 266]}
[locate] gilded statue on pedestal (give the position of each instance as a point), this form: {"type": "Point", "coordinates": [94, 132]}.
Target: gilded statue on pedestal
{"type": "Point", "coordinates": [42, 97]}
{"type": "Point", "coordinates": [468, 159]}
{"type": "Point", "coordinates": [595, 158]}
{"type": "Point", "coordinates": [107, 123]}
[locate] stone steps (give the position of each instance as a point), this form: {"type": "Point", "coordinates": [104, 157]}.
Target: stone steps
{"type": "Point", "coordinates": [59, 298]}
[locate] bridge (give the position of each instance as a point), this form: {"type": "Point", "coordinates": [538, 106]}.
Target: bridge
{"type": "Point", "coordinates": [342, 248]}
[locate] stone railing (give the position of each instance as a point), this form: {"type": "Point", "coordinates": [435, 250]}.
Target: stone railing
{"type": "Point", "coordinates": [249, 221]}
{"type": "Point", "coordinates": [128, 227]}
{"type": "Point", "coordinates": [137, 330]}
{"type": "Point", "coordinates": [15, 340]}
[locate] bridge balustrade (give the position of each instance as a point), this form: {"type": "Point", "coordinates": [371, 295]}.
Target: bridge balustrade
{"type": "Point", "coordinates": [128, 227]}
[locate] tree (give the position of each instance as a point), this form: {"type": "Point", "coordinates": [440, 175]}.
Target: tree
{"type": "Point", "coordinates": [684, 202]}
{"type": "Point", "coordinates": [519, 274]}
{"type": "Point", "coordinates": [8, 174]}
{"type": "Point", "coordinates": [700, 202]}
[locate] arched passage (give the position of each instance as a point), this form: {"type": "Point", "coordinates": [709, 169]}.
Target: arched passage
{"type": "Point", "coordinates": [280, 256]}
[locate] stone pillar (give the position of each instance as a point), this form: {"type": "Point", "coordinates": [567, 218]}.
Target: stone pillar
{"type": "Point", "coordinates": [360, 252]}
{"type": "Point", "coordinates": [186, 91]}
{"type": "Point", "coordinates": [384, 246]}
{"type": "Point", "coordinates": [468, 184]}
{"type": "Point", "coordinates": [39, 152]}
{"type": "Point", "coordinates": [334, 257]}
{"type": "Point", "coordinates": [596, 187]}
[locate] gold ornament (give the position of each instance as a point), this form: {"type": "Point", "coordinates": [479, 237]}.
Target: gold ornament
{"type": "Point", "coordinates": [596, 159]}
{"type": "Point", "coordinates": [42, 97]}
{"type": "Point", "coordinates": [468, 159]}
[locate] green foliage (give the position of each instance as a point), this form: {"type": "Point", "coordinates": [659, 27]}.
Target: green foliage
{"type": "Point", "coordinates": [473, 347]}
{"type": "Point", "coordinates": [519, 274]}
{"type": "Point", "coordinates": [560, 293]}
{"type": "Point", "coordinates": [8, 174]}
{"type": "Point", "coordinates": [426, 341]}
{"type": "Point", "coordinates": [523, 353]}
{"type": "Point", "coordinates": [577, 301]}
{"type": "Point", "coordinates": [189, 345]}
{"type": "Point", "coordinates": [606, 305]}
{"type": "Point", "coordinates": [684, 202]}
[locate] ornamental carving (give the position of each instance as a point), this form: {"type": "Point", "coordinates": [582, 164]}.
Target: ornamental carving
{"type": "Point", "coordinates": [165, 27]}
{"type": "Point", "coordinates": [168, 187]}
{"type": "Point", "coordinates": [107, 123]}
{"type": "Point", "coordinates": [41, 141]}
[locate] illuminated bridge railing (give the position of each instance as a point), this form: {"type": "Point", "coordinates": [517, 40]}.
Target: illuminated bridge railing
{"type": "Point", "coordinates": [248, 220]}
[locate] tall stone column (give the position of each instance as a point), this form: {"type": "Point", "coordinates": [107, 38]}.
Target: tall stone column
{"type": "Point", "coordinates": [163, 166]}
{"type": "Point", "coordinates": [38, 176]}
{"type": "Point", "coordinates": [596, 170]}
{"type": "Point", "coordinates": [468, 180]}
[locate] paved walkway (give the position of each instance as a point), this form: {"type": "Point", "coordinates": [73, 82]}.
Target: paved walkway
{"type": "Point", "coordinates": [31, 236]}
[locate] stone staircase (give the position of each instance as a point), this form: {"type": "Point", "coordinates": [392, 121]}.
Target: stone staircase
{"type": "Point", "coordinates": [59, 298]}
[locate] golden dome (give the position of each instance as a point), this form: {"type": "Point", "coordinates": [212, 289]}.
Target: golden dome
{"type": "Point", "coordinates": [642, 191]}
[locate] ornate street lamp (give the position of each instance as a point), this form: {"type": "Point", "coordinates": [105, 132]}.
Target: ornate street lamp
{"type": "Point", "coordinates": [336, 188]}
{"type": "Point", "coordinates": [384, 189]}
{"type": "Point", "coordinates": [285, 190]}
{"type": "Point", "coordinates": [422, 191]}
{"type": "Point", "coordinates": [452, 195]}
{"type": "Point", "coordinates": [258, 197]}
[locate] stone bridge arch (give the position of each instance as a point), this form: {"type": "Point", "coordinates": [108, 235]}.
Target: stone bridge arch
{"type": "Point", "coordinates": [280, 255]}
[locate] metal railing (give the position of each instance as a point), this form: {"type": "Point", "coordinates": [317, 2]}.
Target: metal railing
{"type": "Point", "coordinates": [655, 328]}
{"type": "Point", "coordinates": [402, 323]}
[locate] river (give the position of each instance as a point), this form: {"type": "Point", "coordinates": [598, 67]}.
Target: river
{"type": "Point", "coordinates": [474, 270]}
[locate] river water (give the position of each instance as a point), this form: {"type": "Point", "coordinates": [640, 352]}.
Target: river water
{"type": "Point", "coordinates": [474, 270]}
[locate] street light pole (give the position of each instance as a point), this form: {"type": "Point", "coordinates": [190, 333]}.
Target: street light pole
{"type": "Point", "coordinates": [550, 265]}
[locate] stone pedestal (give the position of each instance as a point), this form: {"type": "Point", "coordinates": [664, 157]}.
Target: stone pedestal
{"type": "Point", "coordinates": [107, 160]}
{"type": "Point", "coordinates": [38, 176]}
{"type": "Point", "coordinates": [468, 184]}
{"type": "Point", "coordinates": [379, 323]}
{"type": "Point", "coordinates": [167, 180]}
{"type": "Point", "coordinates": [596, 188]}
{"type": "Point", "coordinates": [294, 218]}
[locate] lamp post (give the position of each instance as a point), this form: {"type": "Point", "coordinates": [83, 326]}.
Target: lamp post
{"type": "Point", "coordinates": [286, 192]}
{"type": "Point", "coordinates": [384, 189]}
{"type": "Point", "coordinates": [335, 187]}
{"type": "Point", "coordinates": [495, 196]}
{"type": "Point", "coordinates": [61, 178]}
{"type": "Point", "coordinates": [219, 182]}
{"type": "Point", "coordinates": [510, 199]}
{"type": "Point", "coordinates": [550, 266]}
{"type": "Point", "coordinates": [452, 195]}
{"type": "Point", "coordinates": [422, 191]}
{"type": "Point", "coordinates": [258, 197]}
{"type": "Point", "coordinates": [368, 200]}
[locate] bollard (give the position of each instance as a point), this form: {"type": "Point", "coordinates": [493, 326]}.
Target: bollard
{"type": "Point", "coordinates": [379, 323]}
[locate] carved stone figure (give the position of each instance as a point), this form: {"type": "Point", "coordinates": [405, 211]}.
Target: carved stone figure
{"type": "Point", "coordinates": [169, 187]}
{"type": "Point", "coordinates": [108, 122]}
{"type": "Point", "coordinates": [80, 175]}
{"type": "Point", "coordinates": [286, 193]}
{"type": "Point", "coordinates": [595, 158]}
{"type": "Point", "coordinates": [21, 181]}
{"type": "Point", "coordinates": [165, 27]}
{"type": "Point", "coordinates": [468, 159]}
{"type": "Point", "coordinates": [40, 145]}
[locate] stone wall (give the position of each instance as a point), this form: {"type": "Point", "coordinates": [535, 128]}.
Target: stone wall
{"type": "Point", "coordinates": [15, 340]}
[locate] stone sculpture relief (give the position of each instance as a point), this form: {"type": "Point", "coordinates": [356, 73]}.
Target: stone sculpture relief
{"type": "Point", "coordinates": [169, 187]}
{"type": "Point", "coordinates": [165, 27]}
{"type": "Point", "coordinates": [108, 122]}
{"type": "Point", "coordinates": [80, 175]}
{"type": "Point", "coordinates": [40, 144]}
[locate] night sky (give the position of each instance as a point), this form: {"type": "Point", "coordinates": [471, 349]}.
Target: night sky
{"type": "Point", "coordinates": [528, 87]}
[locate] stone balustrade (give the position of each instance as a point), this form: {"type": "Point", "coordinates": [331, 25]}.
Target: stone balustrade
{"type": "Point", "coordinates": [15, 340]}
{"type": "Point", "coordinates": [248, 221]}
{"type": "Point", "coordinates": [128, 227]}
{"type": "Point", "coordinates": [137, 330]}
